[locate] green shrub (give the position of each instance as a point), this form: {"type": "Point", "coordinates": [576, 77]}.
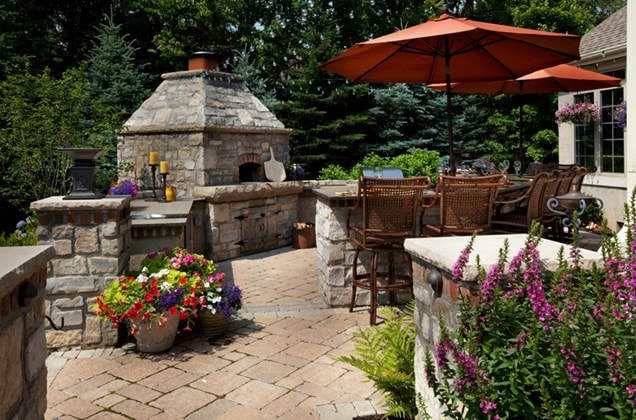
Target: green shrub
{"type": "Point", "coordinates": [385, 354]}
{"type": "Point", "coordinates": [334, 172]}
{"type": "Point", "coordinates": [418, 162]}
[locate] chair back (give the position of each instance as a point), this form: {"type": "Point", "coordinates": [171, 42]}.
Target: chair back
{"type": "Point", "coordinates": [466, 203]}
{"type": "Point", "coordinates": [390, 206]}
{"type": "Point", "coordinates": [536, 196]}
{"type": "Point", "coordinates": [565, 180]}
{"type": "Point", "coordinates": [550, 190]}
{"type": "Point", "coordinates": [580, 173]}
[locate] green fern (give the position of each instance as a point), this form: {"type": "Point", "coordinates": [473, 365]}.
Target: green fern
{"type": "Point", "coordinates": [385, 354]}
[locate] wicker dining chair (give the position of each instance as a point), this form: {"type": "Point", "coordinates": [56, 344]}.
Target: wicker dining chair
{"type": "Point", "coordinates": [389, 213]}
{"type": "Point", "coordinates": [527, 208]}
{"type": "Point", "coordinates": [465, 204]}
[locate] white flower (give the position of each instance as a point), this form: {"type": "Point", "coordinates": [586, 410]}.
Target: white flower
{"type": "Point", "coordinates": [144, 270]}
{"type": "Point", "coordinates": [213, 310]}
{"type": "Point", "coordinates": [218, 289]}
{"type": "Point", "coordinates": [160, 273]}
{"type": "Point", "coordinates": [216, 299]}
{"type": "Point", "coordinates": [142, 278]}
{"type": "Point", "coordinates": [165, 286]}
{"type": "Point", "coordinates": [207, 285]}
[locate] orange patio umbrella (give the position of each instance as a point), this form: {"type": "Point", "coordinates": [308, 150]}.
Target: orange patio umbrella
{"type": "Point", "coordinates": [450, 49]}
{"type": "Point", "coordinates": [561, 78]}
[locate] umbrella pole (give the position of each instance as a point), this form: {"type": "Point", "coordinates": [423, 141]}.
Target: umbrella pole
{"type": "Point", "coordinates": [449, 112]}
{"type": "Point", "coordinates": [520, 151]}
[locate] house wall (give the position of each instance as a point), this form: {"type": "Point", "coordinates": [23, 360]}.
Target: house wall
{"type": "Point", "coordinates": [609, 187]}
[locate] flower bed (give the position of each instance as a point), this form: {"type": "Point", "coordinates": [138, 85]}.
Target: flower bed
{"type": "Point", "coordinates": [542, 345]}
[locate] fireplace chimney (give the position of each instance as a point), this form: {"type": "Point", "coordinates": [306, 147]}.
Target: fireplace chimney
{"type": "Point", "coordinates": [203, 60]}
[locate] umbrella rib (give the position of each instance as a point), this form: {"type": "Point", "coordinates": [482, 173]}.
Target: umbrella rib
{"type": "Point", "coordinates": [430, 73]}
{"type": "Point", "coordinates": [379, 63]}
{"type": "Point", "coordinates": [496, 60]}
{"type": "Point", "coordinates": [475, 44]}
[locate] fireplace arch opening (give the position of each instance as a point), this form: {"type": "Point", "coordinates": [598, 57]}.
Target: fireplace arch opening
{"type": "Point", "coordinates": [250, 172]}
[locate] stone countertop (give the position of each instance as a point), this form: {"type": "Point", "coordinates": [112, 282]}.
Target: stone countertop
{"type": "Point", "coordinates": [169, 221]}
{"type": "Point", "coordinates": [247, 191]}
{"type": "Point", "coordinates": [442, 252]}
{"type": "Point", "coordinates": [15, 261]}
{"type": "Point", "coordinates": [57, 203]}
{"type": "Point", "coordinates": [335, 195]}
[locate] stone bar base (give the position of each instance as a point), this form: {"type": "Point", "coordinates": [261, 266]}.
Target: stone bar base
{"type": "Point", "coordinates": [92, 241]}
{"type": "Point", "coordinates": [22, 340]}
{"type": "Point", "coordinates": [335, 259]}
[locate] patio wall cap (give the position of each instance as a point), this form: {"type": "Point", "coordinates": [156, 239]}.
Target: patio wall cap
{"type": "Point", "coordinates": [194, 128]}
{"type": "Point", "coordinates": [442, 252]}
{"type": "Point", "coordinates": [247, 191]}
{"type": "Point", "coordinates": [16, 262]}
{"type": "Point", "coordinates": [57, 203]}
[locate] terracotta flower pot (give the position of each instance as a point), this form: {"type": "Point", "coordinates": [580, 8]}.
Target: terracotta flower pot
{"type": "Point", "coordinates": [212, 325]}
{"type": "Point", "coordinates": [304, 237]}
{"type": "Point", "coordinates": [152, 339]}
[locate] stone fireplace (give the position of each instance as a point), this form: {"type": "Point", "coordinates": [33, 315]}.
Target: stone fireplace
{"type": "Point", "coordinates": [208, 125]}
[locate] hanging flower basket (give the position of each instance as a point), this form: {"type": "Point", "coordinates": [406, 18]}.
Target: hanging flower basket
{"type": "Point", "coordinates": [579, 113]}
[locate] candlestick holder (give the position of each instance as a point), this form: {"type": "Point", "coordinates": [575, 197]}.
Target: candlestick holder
{"type": "Point", "coordinates": [163, 187]}
{"type": "Point", "coordinates": [153, 169]}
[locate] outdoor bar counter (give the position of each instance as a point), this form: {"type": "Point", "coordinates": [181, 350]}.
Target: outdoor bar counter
{"type": "Point", "coordinates": [335, 253]}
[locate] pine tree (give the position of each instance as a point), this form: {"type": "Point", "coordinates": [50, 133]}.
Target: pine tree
{"type": "Point", "coordinates": [113, 76]}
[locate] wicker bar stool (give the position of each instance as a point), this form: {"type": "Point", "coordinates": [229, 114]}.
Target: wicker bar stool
{"type": "Point", "coordinates": [465, 204]}
{"type": "Point", "coordinates": [389, 214]}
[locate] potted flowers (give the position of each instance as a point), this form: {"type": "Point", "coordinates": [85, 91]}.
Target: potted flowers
{"type": "Point", "coordinates": [484, 166]}
{"type": "Point", "coordinates": [151, 305]}
{"type": "Point", "coordinates": [579, 113]}
{"type": "Point", "coordinates": [217, 299]}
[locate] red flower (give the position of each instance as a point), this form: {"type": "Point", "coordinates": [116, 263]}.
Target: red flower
{"type": "Point", "coordinates": [134, 331]}
{"type": "Point", "coordinates": [147, 315]}
{"type": "Point", "coordinates": [188, 329]}
{"type": "Point", "coordinates": [183, 315]}
{"type": "Point", "coordinates": [183, 281]}
{"type": "Point", "coordinates": [124, 287]}
{"type": "Point", "coordinates": [148, 297]}
{"type": "Point", "coordinates": [173, 310]}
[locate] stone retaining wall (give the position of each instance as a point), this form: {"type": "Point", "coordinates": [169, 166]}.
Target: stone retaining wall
{"type": "Point", "coordinates": [92, 241]}
{"type": "Point", "coordinates": [22, 339]}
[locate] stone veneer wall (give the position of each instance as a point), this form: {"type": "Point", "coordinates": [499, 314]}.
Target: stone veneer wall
{"type": "Point", "coordinates": [336, 254]}
{"type": "Point", "coordinates": [184, 151]}
{"type": "Point", "coordinates": [91, 240]}
{"type": "Point", "coordinates": [200, 158]}
{"type": "Point", "coordinates": [22, 340]}
{"type": "Point", "coordinates": [429, 306]}
{"type": "Point", "coordinates": [249, 218]}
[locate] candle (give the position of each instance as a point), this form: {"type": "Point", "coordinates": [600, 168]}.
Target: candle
{"type": "Point", "coordinates": [164, 167]}
{"type": "Point", "coordinates": [153, 159]}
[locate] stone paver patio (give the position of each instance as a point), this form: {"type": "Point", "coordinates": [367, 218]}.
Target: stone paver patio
{"type": "Point", "coordinates": [276, 362]}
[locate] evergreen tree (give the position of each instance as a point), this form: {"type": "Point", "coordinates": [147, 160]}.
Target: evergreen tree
{"type": "Point", "coordinates": [245, 67]}
{"type": "Point", "coordinates": [113, 76]}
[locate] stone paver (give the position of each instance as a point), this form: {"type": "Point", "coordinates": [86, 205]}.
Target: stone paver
{"type": "Point", "coordinates": [276, 362]}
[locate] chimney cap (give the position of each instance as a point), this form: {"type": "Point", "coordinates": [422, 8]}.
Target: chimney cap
{"type": "Point", "coordinates": [204, 54]}
{"type": "Point", "coordinates": [203, 60]}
